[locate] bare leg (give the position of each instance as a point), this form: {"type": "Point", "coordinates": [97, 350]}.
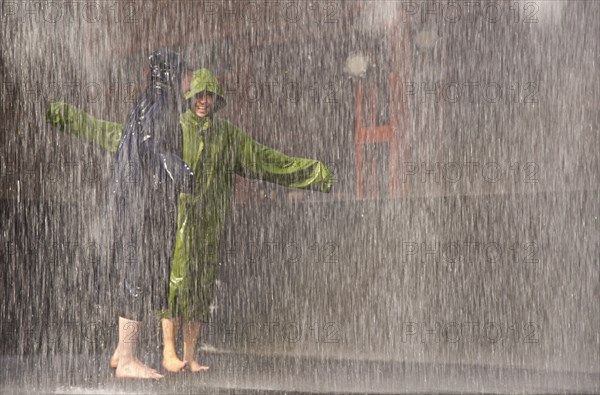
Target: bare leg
{"type": "Point", "coordinates": [114, 360]}
{"type": "Point", "coordinates": [191, 331]}
{"type": "Point", "coordinates": [128, 366]}
{"type": "Point", "coordinates": [170, 328]}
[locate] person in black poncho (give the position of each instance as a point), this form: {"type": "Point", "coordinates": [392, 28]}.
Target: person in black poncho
{"type": "Point", "coordinates": [146, 180]}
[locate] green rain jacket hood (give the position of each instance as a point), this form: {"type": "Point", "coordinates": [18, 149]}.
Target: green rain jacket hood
{"type": "Point", "coordinates": [205, 81]}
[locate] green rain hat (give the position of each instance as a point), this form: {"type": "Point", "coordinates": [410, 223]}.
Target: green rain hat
{"type": "Point", "coordinates": [205, 81]}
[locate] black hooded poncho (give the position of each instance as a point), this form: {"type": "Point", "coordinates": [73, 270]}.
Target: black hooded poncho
{"type": "Point", "coordinates": [147, 177]}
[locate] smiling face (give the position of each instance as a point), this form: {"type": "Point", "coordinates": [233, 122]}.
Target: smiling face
{"type": "Point", "coordinates": [203, 104]}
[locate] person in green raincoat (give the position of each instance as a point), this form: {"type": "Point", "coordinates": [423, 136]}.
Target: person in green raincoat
{"type": "Point", "coordinates": [215, 150]}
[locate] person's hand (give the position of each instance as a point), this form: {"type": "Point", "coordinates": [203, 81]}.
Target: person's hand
{"type": "Point", "coordinates": [55, 112]}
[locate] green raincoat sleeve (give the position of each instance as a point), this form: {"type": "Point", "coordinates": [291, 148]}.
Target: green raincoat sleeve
{"type": "Point", "coordinates": [254, 160]}
{"type": "Point", "coordinates": [80, 124]}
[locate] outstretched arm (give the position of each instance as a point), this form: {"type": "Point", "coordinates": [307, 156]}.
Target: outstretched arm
{"type": "Point", "coordinates": [254, 160]}
{"type": "Point", "coordinates": [83, 125]}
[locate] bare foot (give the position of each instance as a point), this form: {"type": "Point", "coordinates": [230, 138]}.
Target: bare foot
{"type": "Point", "coordinates": [172, 363]}
{"type": "Point", "coordinates": [134, 368]}
{"type": "Point", "coordinates": [114, 360]}
{"type": "Point", "coordinates": [196, 367]}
